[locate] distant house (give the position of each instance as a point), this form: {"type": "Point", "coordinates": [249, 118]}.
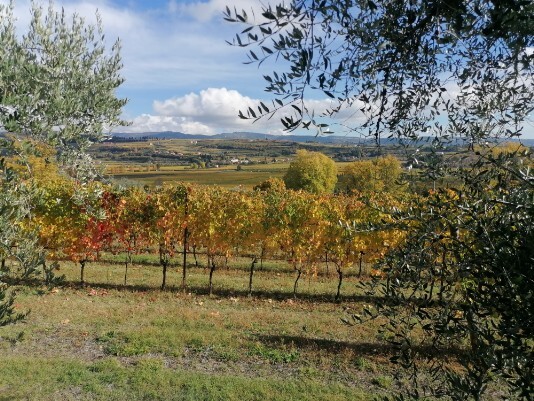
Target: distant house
{"type": "Point", "coordinates": [234, 161]}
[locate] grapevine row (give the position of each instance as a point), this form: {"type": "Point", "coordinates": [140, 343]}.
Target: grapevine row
{"type": "Point", "coordinates": [78, 222]}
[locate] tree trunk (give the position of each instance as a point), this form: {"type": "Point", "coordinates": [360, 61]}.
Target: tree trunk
{"type": "Point", "coordinates": [195, 255]}
{"type": "Point", "coordinates": [212, 269]}
{"type": "Point", "coordinates": [295, 286]}
{"type": "Point", "coordinates": [262, 254]}
{"type": "Point", "coordinates": [326, 262]}
{"type": "Point", "coordinates": [340, 276]}
{"type": "Point", "coordinates": [164, 262]}
{"type": "Point", "coordinates": [254, 260]}
{"type": "Point", "coordinates": [361, 261]}
{"type": "Point", "coordinates": [126, 263]}
{"type": "Point", "coordinates": [164, 279]}
{"type": "Point", "coordinates": [82, 269]}
{"type": "Point", "coordinates": [186, 233]}
{"type": "Point", "coordinates": [184, 263]}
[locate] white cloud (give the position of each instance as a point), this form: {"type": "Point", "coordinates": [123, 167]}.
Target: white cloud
{"type": "Point", "coordinates": [116, 20]}
{"type": "Point", "coordinates": [219, 103]}
{"type": "Point", "coordinates": [210, 111]}
{"type": "Point", "coordinates": [152, 123]}
{"type": "Point", "coordinates": [215, 110]}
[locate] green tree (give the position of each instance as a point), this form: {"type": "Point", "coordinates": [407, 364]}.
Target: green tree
{"type": "Point", "coordinates": [377, 175]}
{"type": "Point", "coordinates": [311, 171]}
{"type": "Point", "coordinates": [58, 80]}
{"type": "Point", "coordinates": [463, 278]}
{"type": "Point", "coordinates": [445, 69]}
{"type": "Point", "coordinates": [12, 211]}
{"type": "Point", "coordinates": [57, 86]}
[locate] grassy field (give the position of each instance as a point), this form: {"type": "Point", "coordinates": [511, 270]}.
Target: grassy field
{"type": "Point", "coordinates": [105, 341]}
{"type": "Point", "coordinates": [226, 176]}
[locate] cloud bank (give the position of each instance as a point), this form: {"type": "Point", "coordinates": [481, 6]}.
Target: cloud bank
{"type": "Point", "coordinates": [216, 110]}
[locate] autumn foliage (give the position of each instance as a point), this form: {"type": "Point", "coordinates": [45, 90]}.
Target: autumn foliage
{"type": "Point", "coordinates": [304, 229]}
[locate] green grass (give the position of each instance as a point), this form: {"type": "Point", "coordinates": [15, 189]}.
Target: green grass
{"type": "Point", "coordinates": [276, 279]}
{"type": "Point", "coordinates": [149, 378]}
{"type": "Point", "coordinates": [106, 341]}
{"type": "Point", "coordinates": [271, 264]}
{"type": "Point", "coordinates": [224, 177]}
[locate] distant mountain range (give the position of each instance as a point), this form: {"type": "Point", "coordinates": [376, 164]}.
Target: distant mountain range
{"type": "Point", "coordinates": [332, 139]}
{"type": "Point", "coordinates": [235, 135]}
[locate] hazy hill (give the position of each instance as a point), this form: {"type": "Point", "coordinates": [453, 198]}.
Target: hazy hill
{"type": "Point", "coordinates": [244, 135]}
{"type": "Point", "coordinates": [330, 139]}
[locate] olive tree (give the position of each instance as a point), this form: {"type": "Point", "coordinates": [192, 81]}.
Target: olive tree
{"type": "Point", "coordinates": [442, 70]}
{"type": "Point", "coordinates": [445, 68]}
{"type": "Point", "coordinates": [57, 86]}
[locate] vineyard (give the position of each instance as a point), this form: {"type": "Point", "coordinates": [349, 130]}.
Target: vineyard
{"type": "Point", "coordinates": [176, 224]}
{"type": "Point", "coordinates": [376, 268]}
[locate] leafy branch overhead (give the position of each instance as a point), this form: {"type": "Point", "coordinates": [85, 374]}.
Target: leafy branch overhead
{"type": "Point", "coordinates": [443, 68]}
{"type": "Point", "coordinates": [446, 70]}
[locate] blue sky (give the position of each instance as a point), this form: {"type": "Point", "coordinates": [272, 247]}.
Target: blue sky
{"type": "Point", "coordinates": [180, 73]}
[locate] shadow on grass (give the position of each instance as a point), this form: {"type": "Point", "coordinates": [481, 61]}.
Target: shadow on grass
{"type": "Point", "coordinates": [282, 295]}
{"type": "Point", "coordinates": [230, 292]}
{"type": "Point", "coordinates": [218, 292]}
{"type": "Point", "coordinates": [358, 348]}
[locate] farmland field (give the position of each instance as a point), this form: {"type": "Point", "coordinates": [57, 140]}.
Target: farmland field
{"type": "Point", "coordinates": [207, 162]}
{"type": "Point", "coordinates": [226, 177]}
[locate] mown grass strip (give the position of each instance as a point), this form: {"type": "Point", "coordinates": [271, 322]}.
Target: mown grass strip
{"type": "Point", "coordinates": [149, 379]}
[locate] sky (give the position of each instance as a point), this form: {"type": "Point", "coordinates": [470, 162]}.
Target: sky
{"type": "Point", "coordinates": [180, 74]}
